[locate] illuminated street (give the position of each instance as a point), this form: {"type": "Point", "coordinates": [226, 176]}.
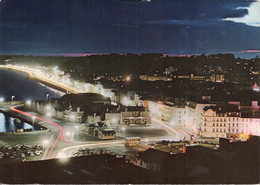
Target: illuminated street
{"type": "Point", "coordinates": [129, 91]}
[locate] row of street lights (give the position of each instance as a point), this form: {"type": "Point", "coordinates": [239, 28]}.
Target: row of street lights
{"type": "Point", "coordinates": [27, 102]}
{"type": "Point", "coordinates": [3, 99]}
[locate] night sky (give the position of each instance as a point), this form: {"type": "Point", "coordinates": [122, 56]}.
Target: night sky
{"type": "Point", "coordinates": [54, 27]}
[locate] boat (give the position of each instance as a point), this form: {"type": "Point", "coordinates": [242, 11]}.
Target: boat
{"type": "Point", "coordinates": [16, 120]}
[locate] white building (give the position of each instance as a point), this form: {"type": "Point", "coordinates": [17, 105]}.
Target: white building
{"type": "Point", "coordinates": [184, 114]}
{"type": "Point", "coordinates": [230, 121]}
{"type": "Point", "coordinates": [128, 115]}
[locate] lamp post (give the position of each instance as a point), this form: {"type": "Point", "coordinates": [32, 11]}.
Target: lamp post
{"type": "Point", "coordinates": [29, 102]}
{"type": "Point", "coordinates": [47, 96]}
{"type": "Point", "coordinates": [94, 117]}
{"type": "Point", "coordinates": [12, 99]}
{"type": "Point", "coordinates": [41, 134]}
{"type": "Point", "coordinates": [124, 131]}
{"type": "Point", "coordinates": [33, 118]}
{"type": "Point", "coordinates": [77, 132]}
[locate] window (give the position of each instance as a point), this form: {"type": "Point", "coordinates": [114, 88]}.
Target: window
{"type": "Point", "coordinates": [221, 119]}
{"type": "Point", "coordinates": [221, 124]}
{"type": "Point", "coordinates": [220, 130]}
{"type": "Point", "coordinates": [217, 124]}
{"type": "Point", "coordinates": [213, 130]}
{"type": "Point", "coordinates": [237, 130]}
{"type": "Point", "coordinates": [213, 124]}
{"type": "Point", "coordinates": [224, 124]}
{"type": "Point", "coordinates": [205, 124]}
{"type": "Point", "coordinates": [233, 124]}
{"type": "Point", "coordinates": [205, 130]}
{"type": "Point", "coordinates": [232, 130]}
{"type": "Point", "coordinates": [229, 119]}
{"type": "Point", "coordinates": [224, 130]}
{"type": "Point", "coordinates": [216, 130]}
{"type": "Point", "coordinates": [237, 124]}
{"type": "Point", "coordinates": [225, 120]}
{"type": "Point", "coordinates": [233, 119]}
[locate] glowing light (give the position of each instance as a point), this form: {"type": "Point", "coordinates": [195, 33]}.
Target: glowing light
{"type": "Point", "coordinates": [114, 120]}
{"type": "Point", "coordinates": [28, 102]}
{"type": "Point", "coordinates": [128, 78]}
{"type": "Point", "coordinates": [244, 137]}
{"type": "Point", "coordinates": [48, 114]}
{"type": "Point", "coordinates": [255, 88]}
{"type": "Point", "coordinates": [62, 80]}
{"type": "Point", "coordinates": [2, 99]}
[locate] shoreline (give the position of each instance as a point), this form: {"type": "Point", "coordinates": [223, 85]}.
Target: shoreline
{"type": "Point", "coordinates": [35, 78]}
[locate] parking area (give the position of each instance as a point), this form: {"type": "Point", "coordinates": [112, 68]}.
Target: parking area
{"type": "Point", "coordinates": [20, 153]}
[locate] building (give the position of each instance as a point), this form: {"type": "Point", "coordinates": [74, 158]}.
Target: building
{"type": "Point", "coordinates": [230, 121]}
{"type": "Point", "coordinates": [153, 78]}
{"type": "Point", "coordinates": [137, 115]}
{"type": "Point", "coordinates": [74, 108]}
{"type": "Point", "coordinates": [178, 112]}
{"type": "Point", "coordinates": [217, 78]}
{"type": "Point", "coordinates": [153, 159]}
{"type": "Point", "coordinates": [104, 133]}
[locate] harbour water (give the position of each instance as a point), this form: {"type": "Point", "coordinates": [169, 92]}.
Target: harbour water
{"type": "Point", "coordinates": [16, 84]}
{"type": "Point", "coordinates": [7, 124]}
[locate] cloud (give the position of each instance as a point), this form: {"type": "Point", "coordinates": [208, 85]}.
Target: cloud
{"type": "Point", "coordinates": [252, 18]}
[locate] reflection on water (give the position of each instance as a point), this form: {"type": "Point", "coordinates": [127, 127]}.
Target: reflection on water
{"type": "Point", "coordinates": [13, 83]}
{"type": "Point", "coordinates": [7, 124]}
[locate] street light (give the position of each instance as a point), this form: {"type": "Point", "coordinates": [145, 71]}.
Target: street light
{"type": "Point", "coordinates": [12, 98]}
{"type": "Point", "coordinates": [47, 96]}
{"type": "Point", "coordinates": [124, 131]}
{"type": "Point", "coordinates": [72, 118]}
{"type": "Point", "coordinates": [68, 134]}
{"type": "Point", "coordinates": [77, 132]}
{"type": "Point", "coordinates": [28, 102]}
{"type": "Point", "coordinates": [33, 118]}
{"type": "Point", "coordinates": [94, 117]}
{"type": "Point", "coordinates": [2, 99]}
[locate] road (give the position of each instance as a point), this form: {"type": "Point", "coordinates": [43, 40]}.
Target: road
{"type": "Point", "coordinates": [60, 136]}
{"type": "Point", "coordinates": [61, 147]}
{"type": "Point", "coordinates": [177, 132]}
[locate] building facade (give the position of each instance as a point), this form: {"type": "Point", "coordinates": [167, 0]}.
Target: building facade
{"type": "Point", "coordinates": [137, 115]}
{"type": "Point", "coordinates": [219, 121]}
